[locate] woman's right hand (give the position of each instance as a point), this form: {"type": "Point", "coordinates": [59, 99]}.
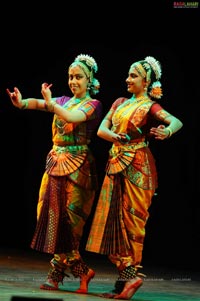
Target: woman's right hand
{"type": "Point", "coordinates": [124, 138]}
{"type": "Point", "coordinates": [15, 97]}
{"type": "Point", "coordinates": [46, 92]}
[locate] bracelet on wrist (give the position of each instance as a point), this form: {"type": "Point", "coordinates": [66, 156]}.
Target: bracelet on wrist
{"type": "Point", "coordinates": [24, 104]}
{"type": "Point", "coordinates": [50, 106]}
{"type": "Point", "coordinates": [170, 132]}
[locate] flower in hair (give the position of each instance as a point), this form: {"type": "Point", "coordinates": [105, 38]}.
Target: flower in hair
{"type": "Point", "coordinates": [95, 86]}
{"type": "Point", "coordinates": [156, 90]}
{"type": "Point", "coordinates": [88, 60]}
{"type": "Point", "coordinates": [155, 65]}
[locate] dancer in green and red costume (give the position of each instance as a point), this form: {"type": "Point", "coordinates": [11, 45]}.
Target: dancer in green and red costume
{"type": "Point", "coordinates": [70, 181]}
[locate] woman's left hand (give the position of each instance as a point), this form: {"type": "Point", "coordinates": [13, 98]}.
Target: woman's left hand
{"type": "Point", "coordinates": [160, 133]}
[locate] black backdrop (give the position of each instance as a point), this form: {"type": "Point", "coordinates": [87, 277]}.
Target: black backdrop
{"type": "Point", "coordinates": [37, 45]}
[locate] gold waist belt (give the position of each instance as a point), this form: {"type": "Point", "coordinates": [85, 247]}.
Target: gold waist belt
{"type": "Point", "coordinates": [70, 148]}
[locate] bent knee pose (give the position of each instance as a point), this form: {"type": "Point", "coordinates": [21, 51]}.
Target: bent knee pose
{"type": "Point", "coordinates": [69, 182]}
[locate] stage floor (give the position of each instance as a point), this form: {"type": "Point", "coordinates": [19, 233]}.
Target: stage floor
{"type": "Point", "coordinates": [22, 272]}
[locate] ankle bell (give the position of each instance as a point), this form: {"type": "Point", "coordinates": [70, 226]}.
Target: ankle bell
{"type": "Point", "coordinates": [125, 275]}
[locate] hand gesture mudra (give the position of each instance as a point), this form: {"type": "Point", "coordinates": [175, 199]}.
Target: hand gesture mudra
{"type": "Point", "coordinates": [46, 92]}
{"type": "Point", "coordinates": [16, 97]}
{"type": "Point", "coordinates": [160, 133]}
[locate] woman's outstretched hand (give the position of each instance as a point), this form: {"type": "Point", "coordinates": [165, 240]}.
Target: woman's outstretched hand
{"type": "Point", "coordinates": [15, 97]}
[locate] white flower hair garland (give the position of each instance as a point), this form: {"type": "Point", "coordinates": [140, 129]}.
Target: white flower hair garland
{"type": "Point", "coordinates": [89, 61]}
{"type": "Point", "coordinates": [155, 65]}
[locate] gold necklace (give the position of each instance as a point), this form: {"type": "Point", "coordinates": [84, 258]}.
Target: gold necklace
{"type": "Point", "coordinates": [122, 111]}
{"type": "Point", "coordinates": [140, 98]}
{"type": "Point", "coordinates": [61, 123]}
{"type": "Point", "coordinates": [73, 101]}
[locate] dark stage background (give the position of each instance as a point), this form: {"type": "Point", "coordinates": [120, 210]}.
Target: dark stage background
{"type": "Point", "coordinates": [37, 45]}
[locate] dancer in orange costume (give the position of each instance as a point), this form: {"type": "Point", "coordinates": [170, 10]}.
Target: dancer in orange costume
{"type": "Point", "coordinates": [118, 228]}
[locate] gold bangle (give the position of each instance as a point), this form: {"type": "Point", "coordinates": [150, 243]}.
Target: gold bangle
{"type": "Point", "coordinates": [170, 132]}
{"type": "Point", "coordinates": [50, 106]}
{"type": "Point", "coordinates": [24, 103]}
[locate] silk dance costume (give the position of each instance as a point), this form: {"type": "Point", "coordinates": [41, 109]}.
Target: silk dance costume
{"type": "Point", "coordinates": [67, 193]}
{"type": "Point", "coordinates": [118, 227]}
{"type": "Point", "coordinates": [128, 187]}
